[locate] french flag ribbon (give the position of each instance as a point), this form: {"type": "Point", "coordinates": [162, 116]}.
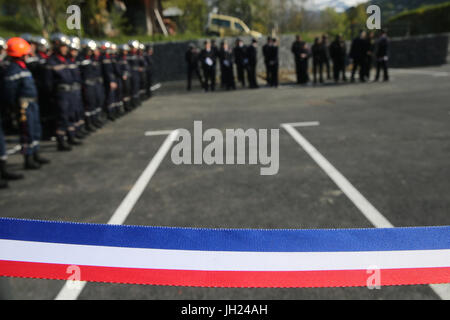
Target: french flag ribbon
{"type": "Point", "coordinates": [224, 257]}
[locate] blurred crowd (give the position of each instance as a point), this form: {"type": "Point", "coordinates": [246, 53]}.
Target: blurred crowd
{"type": "Point", "coordinates": [66, 88]}
{"type": "Point", "coordinates": [329, 61]}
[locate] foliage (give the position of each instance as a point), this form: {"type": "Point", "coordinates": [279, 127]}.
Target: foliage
{"type": "Point", "coordinates": [423, 20]}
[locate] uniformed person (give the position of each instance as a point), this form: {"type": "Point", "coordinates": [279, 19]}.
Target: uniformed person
{"type": "Point", "coordinates": [265, 52]}
{"type": "Point", "coordinates": [208, 61]}
{"type": "Point", "coordinates": [226, 65]}
{"type": "Point", "coordinates": [109, 80]}
{"type": "Point", "coordinates": [125, 71]}
{"type": "Point", "coordinates": [77, 112]}
{"type": "Point", "coordinates": [338, 53]}
{"type": "Point", "coordinates": [142, 72]}
{"type": "Point", "coordinates": [192, 58]}
{"type": "Point", "coordinates": [382, 56]}
{"type": "Point", "coordinates": [148, 55]}
{"type": "Point", "coordinates": [39, 72]}
{"type": "Point", "coordinates": [273, 63]}
{"type": "Point", "coordinates": [241, 60]}
{"type": "Point", "coordinates": [133, 61]}
{"type": "Point", "coordinates": [296, 50]}
{"type": "Point", "coordinates": [317, 54]}
{"type": "Point", "coordinates": [358, 53]}
{"type": "Point", "coordinates": [89, 77]}
{"type": "Point", "coordinates": [60, 80]}
{"type": "Point", "coordinates": [302, 54]}
{"type": "Point", "coordinates": [326, 56]}
{"type": "Point", "coordinates": [118, 97]}
{"type": "Point", "coordinates": [252, 57]}
{"type": "Point", "coordinates": [5, 175]}
{"type": "Point", "coordinates": [21, 93]}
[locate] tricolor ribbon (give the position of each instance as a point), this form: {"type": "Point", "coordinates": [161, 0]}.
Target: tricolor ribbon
{"type": "Point", "coordinates": [224, 257]}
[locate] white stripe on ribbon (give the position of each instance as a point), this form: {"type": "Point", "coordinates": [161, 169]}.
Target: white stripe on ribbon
{"type": "Point", "coordinates": [55, 253]}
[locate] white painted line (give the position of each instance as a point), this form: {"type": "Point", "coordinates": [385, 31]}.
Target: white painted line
{"type": "Point", "coordinates": [372, 214]}
{"type": "Point", "coordinates": [71, 290]}
{"type": "Point", "coordinates": [366, 208]}
{"type": "Point", "coordinates": [421, 72]}
{"type": "Point", "coordinates": [304, 124]}
{"type": "Point", "coordinates": [158, 133]}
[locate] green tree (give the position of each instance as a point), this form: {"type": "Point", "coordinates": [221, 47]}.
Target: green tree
{"type": "Point", "coordinates": [194, 15]}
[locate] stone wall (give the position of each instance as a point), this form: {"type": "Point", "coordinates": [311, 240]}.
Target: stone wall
{"type": "Point", "coordinates": [405, 52]}
{"type": "Point", "coordinates": [419, 51]}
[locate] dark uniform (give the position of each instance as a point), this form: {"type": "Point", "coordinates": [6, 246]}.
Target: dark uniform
{"type": "Point", "coordinates": [338, 53]}
{"type": "Point", "coordinates": [326, 56]}
{"type": "Point", "coordinates": [99, 89]}
{"type": "Point", "coordinates": [252, 57]}
{"type": "Point", "coordinates": [273, 64]}
{"type": "Point", "coordinates": [118, 97]}
{"type": "Point", "coordinates": [301, 55]}
{"type": "Point", "coordinates": [296, 50]}
{"type": "Point", "coordinates": [60, 81]}
{"type": "Point", "coordinates": [192, 61]}
{"type": "Point", "coordinates": [226, 67]}
{"type": "Point", "coordinates": [241, 61]}
{"type": "Point", "coordinates": [90, 80]}
{"type": "Point", "coordinates": [21, 92]}
{"type": "Point", "coordinates": [133, 61]}
{"type": "Point", "coordinates": [142, 73]}
{"type": "Point", "coordinates": [265, 52]}
{"type": "Point", "coordinates": [358, 52]}
{"type": "Point", "coordinates": [110, 85]}
{"type": "Point", "coordinates": [208, 61]}
{"type": "Point", "coordinates": [47, 114]}
{"type": "Point", "coordinates": [382, 56]}
{"type": "Point", "coordinates": [125, 71]}
{"type": "Point", "coordinates": [77, 113]}
{"type": "Point", "coordinates": [148, 56]}
{"type": "Point", "coordinates": [317, 54]}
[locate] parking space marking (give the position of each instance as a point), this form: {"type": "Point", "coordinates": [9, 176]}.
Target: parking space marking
{"type": "Point", "coordinates": [366, 208]}
{"type": "Point", "coordinates": [158, 133]}
{"type": "Point", "coordinates": [71, 291]}
{"type": "Point", "coordinates": [421, 72]}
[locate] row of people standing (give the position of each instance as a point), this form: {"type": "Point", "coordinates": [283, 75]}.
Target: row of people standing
{"type": "Point", "coordinates": [363, 51]}
{"type": "Point", "coordinates": [203, 64]}
{"type": "Point", "coordinates": [78, 85]}
{"type": "Point", "coordinates": [328, 60]}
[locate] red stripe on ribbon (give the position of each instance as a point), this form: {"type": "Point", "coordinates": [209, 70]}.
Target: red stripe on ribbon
{"type": "Point", "coordinates": [227, 279]}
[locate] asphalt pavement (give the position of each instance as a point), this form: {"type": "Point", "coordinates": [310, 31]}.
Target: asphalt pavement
{"type": "Point", "coordinates": [390, 140]}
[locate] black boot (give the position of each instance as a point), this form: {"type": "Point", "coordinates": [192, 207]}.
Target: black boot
{"type": "Point", "coordinates": [30, 164]}
{"type": "Point", "coordinates": [72, 140]}
{"type": "Point", "coordinates": [62, 145]}
{"type": "Point", "coordinates": [79, 135]}
{"type": "Point", "coordinates": [90, 126]}
{"type": "Point", "coordinates": [97, 123]}
{"type": "Point", "coordinates": [37, 158]}
{"type": "Point", "coordinates": [84, 131]}
{"type": "Point", "coordinates": [5, 175]}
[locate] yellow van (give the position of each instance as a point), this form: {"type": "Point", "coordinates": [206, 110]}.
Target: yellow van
{"type": "Point", "coordinates": [221, 25]}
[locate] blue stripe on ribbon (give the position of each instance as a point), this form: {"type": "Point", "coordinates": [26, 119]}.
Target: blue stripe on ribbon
{"type": "Point", "coordinates": [426, 238]}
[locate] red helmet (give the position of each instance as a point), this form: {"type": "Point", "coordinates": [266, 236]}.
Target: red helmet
{"type": "Point", "coordinates": [17, 47]}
